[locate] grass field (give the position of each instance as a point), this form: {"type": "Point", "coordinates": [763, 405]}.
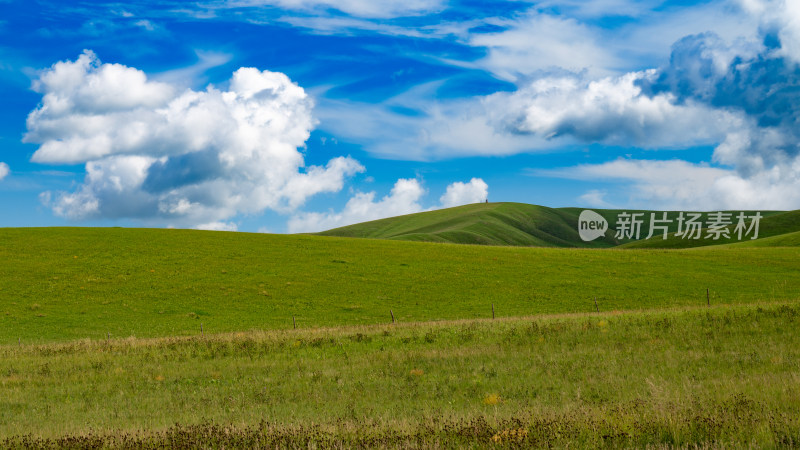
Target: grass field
{"type": "Point", "coordinates": [63, 284]}
{"type": "Point", "coordinates": [101, 343]}
{"type": "Point", "coordinates": [717, 377]}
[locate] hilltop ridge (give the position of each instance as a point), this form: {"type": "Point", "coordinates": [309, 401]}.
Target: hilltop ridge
{"type": "Point", "coordinates": [521, 224]}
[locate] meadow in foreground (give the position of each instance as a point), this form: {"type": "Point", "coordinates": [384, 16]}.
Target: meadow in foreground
{"type": "Point", "coordinates": [718, 376]}
{"type": "Point", "coordinates": [66, 284]}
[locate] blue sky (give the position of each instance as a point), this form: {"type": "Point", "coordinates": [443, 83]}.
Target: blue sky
{"type": "Point", "coordinates": [302, 115]}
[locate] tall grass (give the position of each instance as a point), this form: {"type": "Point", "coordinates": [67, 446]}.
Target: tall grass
{"type": "Point", "coordinates": [719, 376]}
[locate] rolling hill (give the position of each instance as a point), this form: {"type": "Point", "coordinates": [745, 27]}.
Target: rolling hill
{"type": "Point", "coordinates": [776, 229]}
{"type": "Point", "coordinates": [781, 240]}
{"type": "Point", "coordinates": [519, 224]}
{"type": "Point", "coordinates": [515, 224]}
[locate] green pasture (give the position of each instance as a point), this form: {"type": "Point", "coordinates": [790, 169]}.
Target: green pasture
{"type": "Point", "coordinates": [61, 284]}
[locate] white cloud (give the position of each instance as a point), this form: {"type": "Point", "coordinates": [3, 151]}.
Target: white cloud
{"type": "Point", "coordinates": [712, 93]}
{"type": "Point", "coordinates": [319, 179]}
{"type": "Point", "coordinates": [542, 115]}
{"type": "Point", "coordinates": [669, 185]}
{"type": "Point", "coordinates": [649, 39]}
{"type": "Point", "coordinates": [357, 8]}
{"type": "Point", "coordinates": [657, 171]}
{"type": "Point", "coordinates": [571, 40]}
{"type": "Point", "coordinates": [4, 170]}
{"type": "Point", "coordinates": [85, 87]}
{"type": "Point", "coordinates": [782, 16]}
{"type": "Point", "coordinates": [538, 42]}
{"type": "Point", "coordinates": [459, 193]}
{"type": "Point", "coordinates": [441, 130]}
{"type": "Point", "coordinates": [595, 198]}
{"type": "Point", "coordinates": [218, 226]}
{"type": "Point", "coordinates": [146, 24]}
{"type": "Point", "coordinates": [601, 8]}
{"type": "Point", "coordinates": [610, 110]}
{"type": "Point", "coordinates": [159, 153]}
{"type": "Point", "coordinates": [185, 76]}
{"type": "Point", "coordinates": [338, 25]}
{"type": "Point", "coordinates": [681, 185]}
{"type": "Point", "coordinates": [404, 199]}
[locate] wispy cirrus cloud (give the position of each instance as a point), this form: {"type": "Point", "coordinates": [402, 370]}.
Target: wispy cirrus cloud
{"type": "Point", "coordinates": [681, 185]}
{"type": "Point", "coordinates": [356, 8]}
{"type": "Point", "coordinates": [537, 42]}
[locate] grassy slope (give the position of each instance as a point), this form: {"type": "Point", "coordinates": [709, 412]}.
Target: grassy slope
{"type": "Point", "coordinates": [772, 225]}
{"type": "Point", "coordinates": [62, 284]}
{"type": "Point", "coordinates": [520, 224]}
{"type": "Point", "coordinates": [482, 223]}
{"type": "Point", "coordinates": [721, 376]}
{"type": "Point", "coordinates": [782, 240]}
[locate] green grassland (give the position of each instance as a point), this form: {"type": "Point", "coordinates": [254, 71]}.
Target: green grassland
{"type": "Point", "coordinates": [63, 284]}
{"type": "Point", "coordinates": [520, 224]}
{"type": "Point", "coordinates": [781, 240]}
{"type": "Point", "coordinates": [101, 343]}
{"type": "Point", "coordinates": [714, 377]}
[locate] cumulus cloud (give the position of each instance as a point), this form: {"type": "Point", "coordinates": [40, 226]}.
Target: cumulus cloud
{"type": "Point", "coordinates": [159, 153]}
{"type": "Point", "coordinates": [743, 97]}
{"type": "Point", "coordinates": [546, 113]}
{"type": "Point", "coordinates": [755, 81]}
{"type": "Point", "coordinates": [460, 193]}
{"type": "Point", "coordinates": [4, 170]}
{"type": "Point", "coordinates": [403, 199]}
{"type": "Point", "coordinates": [780, 18]}
{"type": "Point", "coordinates": [610, 110]}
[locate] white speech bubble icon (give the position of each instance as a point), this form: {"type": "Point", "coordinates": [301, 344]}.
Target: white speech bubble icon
{"type": "Point", "coordinates": [591, 225]}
